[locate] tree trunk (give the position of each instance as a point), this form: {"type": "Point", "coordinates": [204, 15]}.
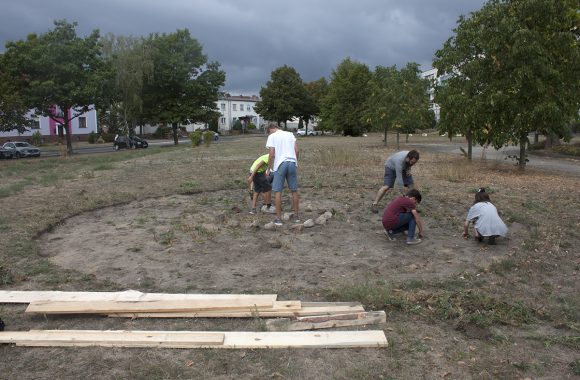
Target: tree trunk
{"type": "Point", "coordinates": [398, 140]}
{"type": "Point", "coordinates": [522, 160]}
{"type": "Point", "coordinates": [175, 137]}
{"type": "Point", "coordinates": [469, 144]}
{"type": "Point", "coordinates": [407, 138]}
{"type": "Point", "coordinates": [67, 129]}
{"type": "Point", "coordinates": [536, 138]}
{"type": "Point", "coordinates": [385, 140]}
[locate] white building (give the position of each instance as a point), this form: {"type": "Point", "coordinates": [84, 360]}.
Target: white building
{"type": "Point", "coordinates": [431, 74]}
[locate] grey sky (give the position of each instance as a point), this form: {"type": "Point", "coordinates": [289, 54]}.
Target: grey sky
{"type": "Point", "coordinates": [251, 38]}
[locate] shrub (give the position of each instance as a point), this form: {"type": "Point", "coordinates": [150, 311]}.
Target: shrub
{"type": "Point", "coordinates": [251, 126]}
{"type": "Point", "coordinates": [37, 138]}
{"type": "Point", "coordinates": [162, 131]}
{"type": "Point", "coordinates": [207, 138]}
{"type": "Point", "coordinates": [107, 137]}
{"type": "Point", "coordinates": [195, 138]}
{"type": "Point", "coordinates": [92, 137]}
{"type": "Point", "coordinates": [237, 125]}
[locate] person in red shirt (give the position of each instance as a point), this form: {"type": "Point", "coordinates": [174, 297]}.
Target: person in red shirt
{"type": "Point", "coordinates": [401, 215]}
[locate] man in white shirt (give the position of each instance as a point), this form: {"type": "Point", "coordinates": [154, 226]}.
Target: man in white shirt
{"type": "Point", "coordinates": [283, 161]}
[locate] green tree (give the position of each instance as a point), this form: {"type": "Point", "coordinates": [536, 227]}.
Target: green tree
{"type": "Point", "coordinates": [13, 108]}
{"type": "Point", "coordinates": [133, 66]}
{"type": "Point", "coordinates": [283, 96]}
{"type": "Point", "coordinates": [344, 104]}
{"type": "Point", "coordinates": [184, 86]}
{"type": "Point", "coordinates": [63, 75]}
{"type": "Point", "coordinates": [523, 61]}
{"type": "Point", "coordinates": [397, 100]}
{"type": "Point", "coordinates": [316, 91]}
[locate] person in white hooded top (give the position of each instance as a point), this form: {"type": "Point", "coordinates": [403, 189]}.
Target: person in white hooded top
{"type": "Point", "coordinates": [486, 220]}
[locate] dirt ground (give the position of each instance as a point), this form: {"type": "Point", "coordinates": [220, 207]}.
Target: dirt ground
{"type": "Point", "coordinates": [195, 235]}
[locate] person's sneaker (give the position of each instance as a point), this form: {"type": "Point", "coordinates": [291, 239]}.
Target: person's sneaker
{"type": "Point", "coordinates": [413, 241]}
{"type": "Point", "coordinates": [491, 240]}
{"type": "Point", "coordinates": [389, 234]}
{"type": "Point", "coordinates": [277, 222]}
{"type": "Point", "coordinates": [269, 210]}
{"type": "Point", "coordinates": [253, 211]}
{"type": "Point", "coordinates": [374, 208]}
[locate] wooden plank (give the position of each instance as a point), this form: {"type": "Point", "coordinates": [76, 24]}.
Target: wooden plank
{"type": "Point", "coordinates": [326, 321]}
{"type": "Point", "coordinates": [112, 338]}
{"type": "Point", "coordinates": [21, 296]}
{"type": "Point", "coordinates": [245, 339]}
{"type": "Point", "coordinates": [105, 307]}
{"type": "Point", "coordinates": [304, 311]}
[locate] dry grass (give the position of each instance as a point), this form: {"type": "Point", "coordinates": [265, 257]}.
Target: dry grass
{"type": "Point", "coordinates": [534, 286]}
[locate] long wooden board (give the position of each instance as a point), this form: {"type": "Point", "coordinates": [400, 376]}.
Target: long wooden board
{"type": "Point", "coordinates": [325, 308]}
{"type": "Point", "coordinates": [245, 339]}
{"type": "Point", "coordinates": [23, 296]}
{"type": "Point", "coordinates": [106, 307]}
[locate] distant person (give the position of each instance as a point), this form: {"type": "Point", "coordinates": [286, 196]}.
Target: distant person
{"type": "Point", "coordinates": [283, 161]}
{"type": "Point", "coordinates": [260, 184]}
{"type": "Point", "coordinates": [397, 170]}
{"type": "Point", "coordinates": [486, 221]}
{"type": "Point", "coordinates": [401, 215]}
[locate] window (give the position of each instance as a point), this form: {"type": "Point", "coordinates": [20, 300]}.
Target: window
{"type": "Point", "coordinates": [223, 106]}
{"type": "Point", "coordinates": [222, 120]}
{"type": "Point", "coordinates": [35, 124]}
{"type": "Point", "coordinates": [241, 107]}
{"type": "Point", "coordinates": [234, 107]}
{"type": "Point", "coordinates": [82, 122]}
{"type": "Point", "coordinates": [248, 108]}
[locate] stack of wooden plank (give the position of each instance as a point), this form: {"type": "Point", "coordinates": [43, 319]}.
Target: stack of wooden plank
{"type": "Point", "coordinates": [296, 315]}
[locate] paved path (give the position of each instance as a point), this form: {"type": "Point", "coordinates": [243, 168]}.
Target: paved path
{"type": "Point", "coordinates": [568, 165]}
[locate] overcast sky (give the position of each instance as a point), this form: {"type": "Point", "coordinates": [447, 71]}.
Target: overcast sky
{"type": "Point", "coordinates": [251, 38]}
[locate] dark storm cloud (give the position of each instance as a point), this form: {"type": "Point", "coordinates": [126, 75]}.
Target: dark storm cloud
{"type": "Point", "coordinates": [253, 37]}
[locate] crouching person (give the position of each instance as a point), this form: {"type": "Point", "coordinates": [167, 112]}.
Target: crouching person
{"type": "Point", "coordinates": [486, 220]}
{"type": "Point", "coordinates": [401, 215]}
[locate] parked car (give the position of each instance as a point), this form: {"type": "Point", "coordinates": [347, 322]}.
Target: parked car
{"type": "Point", "coordinates": [311, 132]}
{"type": "Point", "coordinates": [127, 142]}
{"type": "Point", "coordinates": [21, 149]}
{"type": "Point", "coordinates": [6, 153]}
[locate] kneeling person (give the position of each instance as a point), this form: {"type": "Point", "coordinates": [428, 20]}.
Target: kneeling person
{"type": "Point", "coordinates": [261, 184]}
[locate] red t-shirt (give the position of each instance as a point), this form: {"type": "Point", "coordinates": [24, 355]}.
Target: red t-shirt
{"type": "Point", "coordinates": [394, 209]}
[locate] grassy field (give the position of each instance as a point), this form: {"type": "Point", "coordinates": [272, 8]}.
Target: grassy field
{"type": "Point", "coordinates": [455, 309]}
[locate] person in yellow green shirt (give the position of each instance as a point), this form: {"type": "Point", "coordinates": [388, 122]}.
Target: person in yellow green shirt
{"type": "Point", "coordinates": [261, 184]}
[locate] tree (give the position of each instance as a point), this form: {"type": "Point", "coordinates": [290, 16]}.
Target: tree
{"type": "Point", "coordinates": [316, 91]}
{"type": "Point", "coordinates": [398, 100]}
{"type": "Point", "coordinates": [343, 106]}
{"type": "Point", "coordinates": [184, 86]}
{"type": "Point", "coordinates": [62, 75]}
{"type": "Point", "coordinates": [283, 97]}
{"type": "Point", "coordinates": [133, 66]}
{"type": "Point", "coordinates": [522, 61]}
{"type": "Point", "coordinates": [13, 108]}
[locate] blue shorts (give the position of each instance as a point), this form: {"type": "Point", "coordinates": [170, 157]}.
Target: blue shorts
{"type": "Point", "coordinates": [287, 171]}
{"type": "Point", "coordinates": [391, 176]}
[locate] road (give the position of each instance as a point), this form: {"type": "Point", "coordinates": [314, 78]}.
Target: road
{"type": "Point", "coordinates": [569, 165]}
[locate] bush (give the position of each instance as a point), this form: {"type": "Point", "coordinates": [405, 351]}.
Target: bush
{"type": "Point", "coordinates": [237, 125]}
{"type": "Point", "coordinates": [195, 138]}
{"type": "Point", "coordinates": [92, 137]}
{"type": "Point", "coordinates": [162, 132]}
{"type": "Point", "coordinates": [37, 138]}
{"type": "Point", "coordinates": [207, 138]}
{"type": "Point", "coordinates": [107, 137]}
{"type": "Point", "coordinates": [251, 126]}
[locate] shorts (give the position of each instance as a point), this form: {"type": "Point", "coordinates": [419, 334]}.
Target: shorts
{"type": "Point", "coordinates": [391, 176]}
{"type": "Point", "coordinates": [262, 183]}
{"type": "Point", "coordinates": [287, 171]}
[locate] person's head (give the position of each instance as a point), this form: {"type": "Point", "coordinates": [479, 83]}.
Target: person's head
{"type": "Point", "coordinates": [271, 128]}
{"type": "Point", "coordinates": [414, 193]}
{"type": "Point", "coordinates": [412, 157]}
{"type": "Point", "coordinates": [481, 196]}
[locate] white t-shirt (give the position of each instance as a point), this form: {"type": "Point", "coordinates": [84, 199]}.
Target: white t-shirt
{"type": "Point", "coordinates": [283, 143]}
{"type": "Point", "coordinates": [487, 220]}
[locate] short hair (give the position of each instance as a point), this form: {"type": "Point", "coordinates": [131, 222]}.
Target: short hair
{"type": "Point", "coordinates": [271, 126]}
{"type": "Point", "coordinates": [413, 154]}
{"type": "Point", "coordinates": [414, 193]}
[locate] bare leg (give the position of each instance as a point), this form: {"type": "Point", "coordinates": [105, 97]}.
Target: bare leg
{"type": "Point", "coordinates": [254, 200]}
{"type": "Point", "coordinates": [382, 191]}
{"type": "Point", "coordinates": [278, 199]}
{"type": "Point", "coordinates": [295, 202]}
{"type": "Point", "coordinates": [268, 197]}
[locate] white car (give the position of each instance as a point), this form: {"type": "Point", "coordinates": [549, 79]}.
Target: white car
{"type": "Point", "coordinates": [21, 149]}
{"type": "Point", "coordinates": [302, 132]}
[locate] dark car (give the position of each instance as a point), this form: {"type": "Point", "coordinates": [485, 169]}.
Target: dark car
{"type": "Point", "coordinates": [129, 142]}
{"type": "Point", "coordinates": [6, 153]}
{"type": "Point", "coordinates": [21, 149]}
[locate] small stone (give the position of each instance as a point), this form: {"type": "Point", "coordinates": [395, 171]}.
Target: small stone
{"type": "Point", "coordinates": [287, 215]}
{"type": "Point", "coordinates": [270, 226]}
{"type": "Point", "coordinates": [309, 223]}
{"type": "Point", "coordinates": [327, 215]}
{"type": "Point", "coordinates": [275, 243]}
{"type": "Point", "coordinates": [320, 220]}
